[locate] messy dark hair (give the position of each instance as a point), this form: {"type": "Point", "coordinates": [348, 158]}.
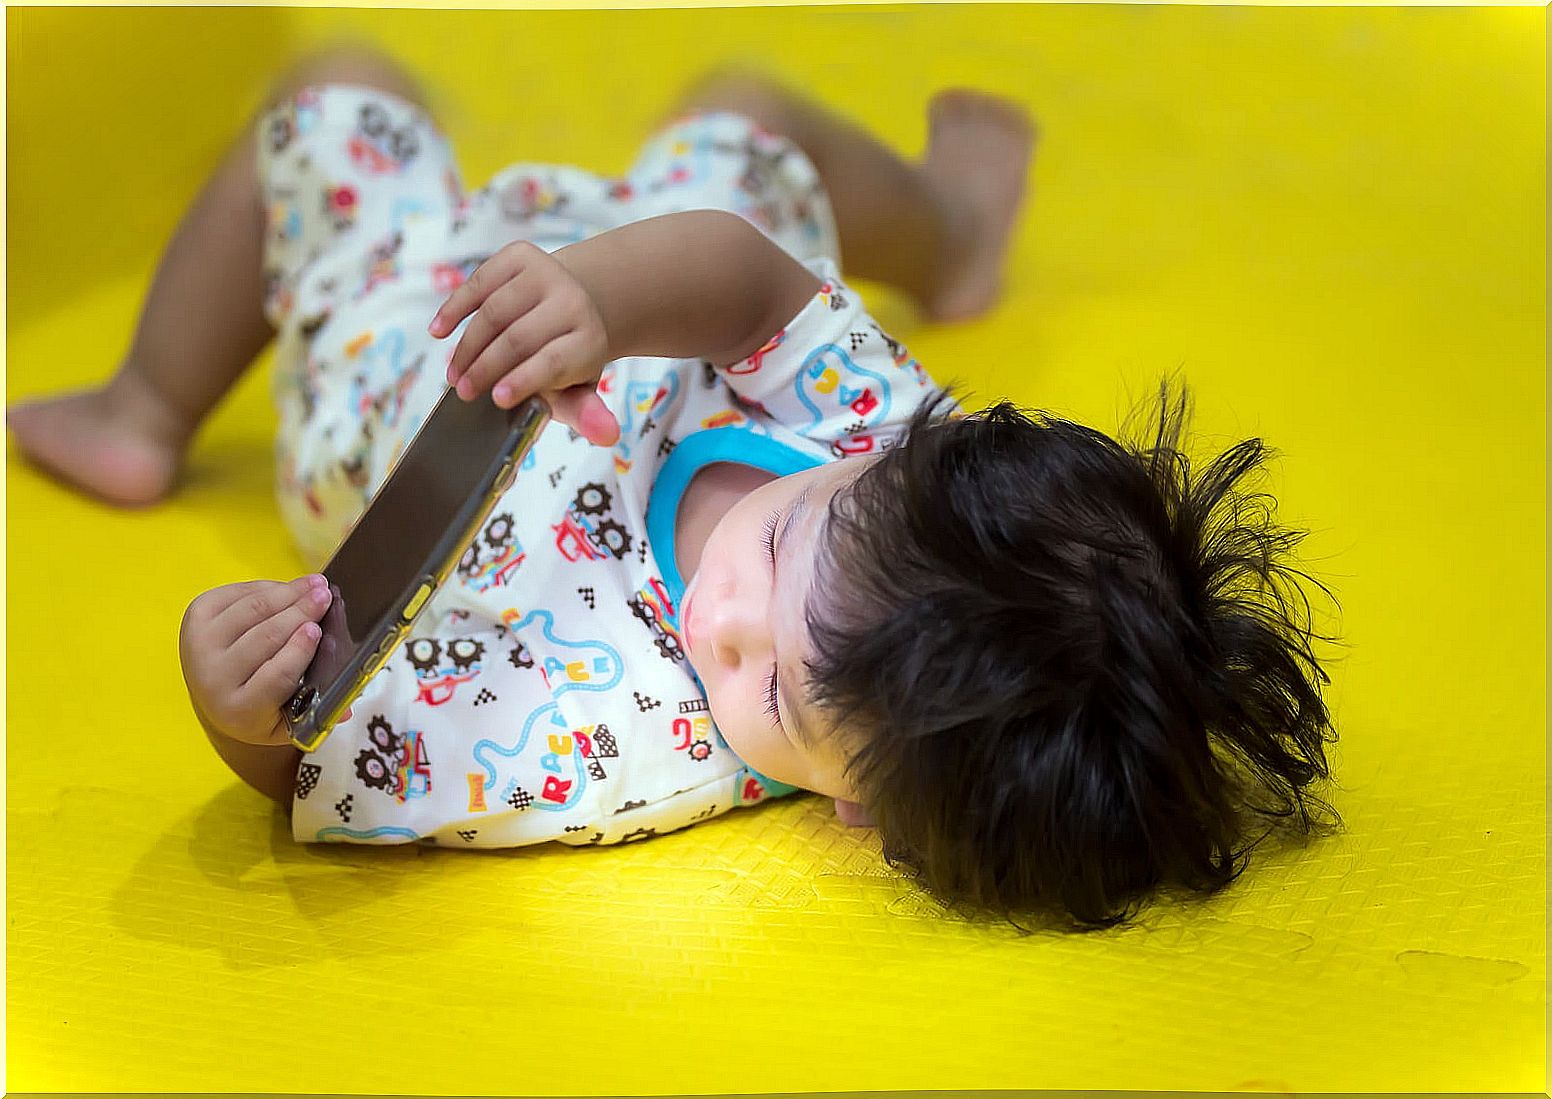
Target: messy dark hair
{"type": "Point", "coordinates": [1069, 671]}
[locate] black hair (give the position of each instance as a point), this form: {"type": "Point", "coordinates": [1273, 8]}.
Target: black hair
{"type": "Point", "coordinates": [1068, 671]}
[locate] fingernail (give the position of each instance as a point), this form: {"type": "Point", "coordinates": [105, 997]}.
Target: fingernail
{"type": "Point", "coordinates": [312, 630]}
{"type": "Point", "coordinates": [502, 394]}
{"type": "Point", "coordinates": [318, 580]}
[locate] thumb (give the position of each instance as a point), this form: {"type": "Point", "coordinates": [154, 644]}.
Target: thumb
{"type": "Point", "coordinates": [580, 408]}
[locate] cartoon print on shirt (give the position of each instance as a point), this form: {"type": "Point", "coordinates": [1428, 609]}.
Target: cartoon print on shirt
{"type": "Point", "coordinates": [762, 154]}
{"type": "Point", "coordinates": [309, 325]}
{"type": "Point", "coordinates": [831, 295]}
{"type": "Point", "coordinates": [279, 298]}
{"type": "Point", "coordinates": [594, 665]}
{"type": "Point", "coordinates": [692, 735]}
{"type": "Point", "coordinates": [294, 119]}
{"type": "Point", "coordinates": [392, 762]}
{"type": "Point", "coordinates": [383, 362]}
{"type": "Point", "coordinates": [527, 196]}
{"type": "Point", "coordinates": [447, 277]}
{"type": "Point", "coordinates": [384, 264]}
{"type": "Point", "coordinates": [762, 160]}
{"type": "Point", "coordinates": [520, 657]}
{"type": "Point", "coordinates": [283, 217]}
{"type": "Point", "coordinates": [341, 203]}
{"type": "Point", "coordinates": [830, 370]}
{"type": "Point", "coordinates": [753, 363]}
{"type": "Point", "coordinates": [680, 173]}
{"type": "Point", "coordinates": [307, 779]}
{"type": "Point", "coordinates": [901, 357]}
{"type": "Point", "coordinates": [646, 405]}
{"type": "Point", "coordinates": [354, 467]}
{"type": "Point", "coordinates": [441, 668]}
{"type": "Point", "coordinates": [378, 147]}
{"type": "Point", "coordinates": [656, 609]}
{"type": "Point", "coordinates": [563, 758]}
{"type": "Point", "coordinates": [587, 531]}
{"type": "Point", "coordinates": [597, 743]}
{"type": "Point", "coordinates": [747, 787]}
{"type": "Point", "coordinates": [493, 556]}
{"type": "Point", "coordinates": [727, 417]}
{"type": "Point", "coordinates": [859, 442]}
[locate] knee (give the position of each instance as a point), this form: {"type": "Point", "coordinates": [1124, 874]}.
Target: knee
{"type": "Point", "coordinates": [757, 97]}
{"type": "Point", "coordinates": [347, 63]}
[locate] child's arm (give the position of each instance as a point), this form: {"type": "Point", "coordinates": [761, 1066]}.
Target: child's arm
{"type": "Point", "coordinates": [701, 284]}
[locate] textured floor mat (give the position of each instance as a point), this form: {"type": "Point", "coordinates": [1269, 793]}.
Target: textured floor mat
{"type": "Point", "coordinates": [1330, 220]}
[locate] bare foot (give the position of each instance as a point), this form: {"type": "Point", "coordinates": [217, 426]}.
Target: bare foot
{"type": "Point", "coordinates": [117, 443]}
{"type": "Point", "coordinates": [978, 152]}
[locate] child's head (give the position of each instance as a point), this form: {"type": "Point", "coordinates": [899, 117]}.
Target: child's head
{"type": "Point", "coordinates": [1063, 671]}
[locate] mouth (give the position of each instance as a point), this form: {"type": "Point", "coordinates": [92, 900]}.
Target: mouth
{"type": "Point", "coordinates": [684, 623]}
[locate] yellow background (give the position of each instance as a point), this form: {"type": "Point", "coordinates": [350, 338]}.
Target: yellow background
{"type": "Point", "coordinates": [1330, 220]}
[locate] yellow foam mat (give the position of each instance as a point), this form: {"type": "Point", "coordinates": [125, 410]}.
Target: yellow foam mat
{"type": "Point", "coordinates": [1331, 220]}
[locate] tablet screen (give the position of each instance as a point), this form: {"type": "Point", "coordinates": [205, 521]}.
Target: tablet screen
{"type": "Point", "coordinates": [435, 485]}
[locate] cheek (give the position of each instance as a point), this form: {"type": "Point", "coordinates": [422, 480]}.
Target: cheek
{"type": "Point", "coordinates": [742, 721]}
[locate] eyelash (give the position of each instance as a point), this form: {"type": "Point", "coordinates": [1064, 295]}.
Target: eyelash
{"type": "Point", "coordinates": [772, 705]}
{"type": "Point", "coordinates": [770, 535]}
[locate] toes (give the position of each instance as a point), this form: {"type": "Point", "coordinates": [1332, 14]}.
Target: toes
{"type": "Point", "coordinates": [947, 106]}
{"type": "Point", "coordinates": [961, 106]}
{"type": "Point", "coordinates": [25, 416]}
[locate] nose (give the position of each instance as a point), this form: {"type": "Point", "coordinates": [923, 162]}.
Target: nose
{"type": "Point", "coordinates": [737, 627]}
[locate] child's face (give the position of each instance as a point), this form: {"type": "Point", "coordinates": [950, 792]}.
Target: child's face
{"type": "Point", "coordinates": [743, 621]}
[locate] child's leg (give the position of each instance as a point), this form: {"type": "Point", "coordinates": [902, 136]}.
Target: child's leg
{"type": "Point", "coordinates": [937, 229]}
{"type": "Point", "coordinates": [200, 327]}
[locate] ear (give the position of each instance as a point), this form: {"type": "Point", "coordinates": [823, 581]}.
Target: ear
{"type": "Point", "coordinates": [851, 814]}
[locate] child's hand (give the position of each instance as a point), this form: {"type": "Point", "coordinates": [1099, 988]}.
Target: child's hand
{"type": "Point", "coordinates": [536, 330]}
{"type": "Point", "coordinates": [244, 648]}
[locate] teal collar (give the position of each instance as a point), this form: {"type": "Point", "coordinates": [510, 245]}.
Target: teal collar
{"type": "Point", "coordinates": [693, 453]}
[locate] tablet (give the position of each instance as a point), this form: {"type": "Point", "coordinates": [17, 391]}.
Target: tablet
{"type": "Point", "coordinates": [412, 534]}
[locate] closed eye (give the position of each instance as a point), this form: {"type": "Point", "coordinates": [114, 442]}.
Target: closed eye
{"type": "Point", "coordinates": [772, 703]}
{"type": "Point", "coordinates": [772, 706]}
{"type": "Point", "coordinates": [770, 535]}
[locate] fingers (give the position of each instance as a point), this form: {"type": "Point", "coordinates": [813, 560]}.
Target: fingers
{"type": "Point", "coordinates": [583, 410]}
{"type": "Point", "coordinates": [267, 638]}
{"type": "Point", "coordinates": [568, 361]}
{"type": "Point", "coordinates": [276, 679]}
{"type": "Point", "coordinates": [509, 304]}
{"type": "Point", "coordinates": [237, 608]}
{"type": "Point", "coordinates": [216, 600]}
{"type": "Point", "coordinates": [487, 277]}
{"type": "Point", "coordinates": [535, 330]}
{"type": "Point", "coordinates": [556, 366]}
{"type": "Point", "coordinates": [516, 348]}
